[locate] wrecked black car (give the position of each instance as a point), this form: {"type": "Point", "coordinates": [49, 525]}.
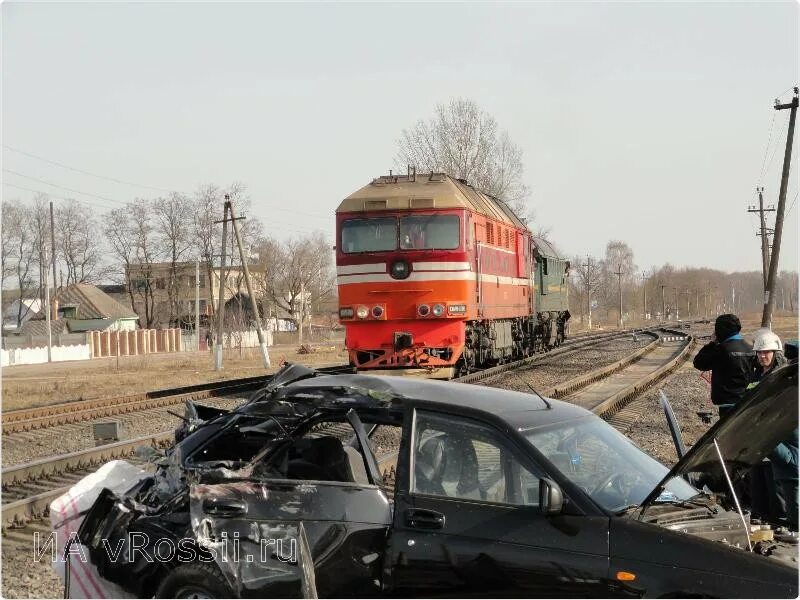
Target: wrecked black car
{"type": "Point", "coordinates": [350, 485]}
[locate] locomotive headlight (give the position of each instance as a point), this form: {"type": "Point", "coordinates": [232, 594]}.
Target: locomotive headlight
{"type": "Point", "coordinates": [377, 311]}
{"type": "Point", "coordinates": [438, 310]}
{"type": "Point", "coordinates": [362, 312]}
{"type": "Point", "coordinates": [423, 310]}
{"type": "Point", "coordinates": [457, 309]}
{"type": "Point", "coordinates": [346, 313]}
{"type": "Point", "coordinates": [400, 269]}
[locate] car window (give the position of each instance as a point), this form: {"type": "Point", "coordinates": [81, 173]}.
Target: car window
{"type": "Point", "coordinates": [603, 462]}
{"type": "Point", "coordinates": [465, 459]}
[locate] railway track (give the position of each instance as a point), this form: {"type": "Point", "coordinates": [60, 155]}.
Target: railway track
{"type": "Point", "coordinates": [569, 347]}
{"type": "Point", "coordinates": [31, 419]}
{"type": "Point", "coordinates": [32, 486]}
{"type": "Point", "coordinates": [627, 379]}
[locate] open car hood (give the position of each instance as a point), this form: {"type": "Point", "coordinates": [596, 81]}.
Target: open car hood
{"type": "Point", "coordinates": [766, 416]}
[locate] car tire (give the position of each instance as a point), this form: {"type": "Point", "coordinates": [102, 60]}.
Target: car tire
{"type": "Point", "coordinates": [195, 580]}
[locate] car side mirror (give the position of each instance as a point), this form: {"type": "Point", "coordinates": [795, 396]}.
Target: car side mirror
{"type": "Point", "coordinates": [551, 498]}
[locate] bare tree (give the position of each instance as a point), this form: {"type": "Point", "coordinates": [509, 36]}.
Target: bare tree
{"type": "Point", "coordinates": [298, 273]}
{"type": "Point", "coordinates": [8, 210]}
{"type": "Point", "coordinates": [173, 224]}
{"type": "Point", "coordinates": [21, 253]}
{"type": "Point", "coordinates": [78, 246]}
{"type": "Point", "coordinates": [132, 235]}
{"type": "Point", "coordinates": [463, 140]}
{"type": "Point", "coordinates": [116, 227]}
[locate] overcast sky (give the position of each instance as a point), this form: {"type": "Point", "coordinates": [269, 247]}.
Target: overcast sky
{"type": "Point", "coordinates": [643, 122]}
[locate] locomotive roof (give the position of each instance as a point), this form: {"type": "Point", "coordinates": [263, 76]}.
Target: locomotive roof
{"type": "Point", "coordinates": [432, 190]}
{"type": "Point", "coordinates": [545, 247]}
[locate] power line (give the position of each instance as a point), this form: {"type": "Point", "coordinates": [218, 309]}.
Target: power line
{"type": "Point", "coordinates": [283, 225]}
{"type": "Point", "coordinates": [793, 201]}
{"type": "Point", "coordinates": [766, 149]}
{"type": "Point", "coordinates": [49, 195]}
{"type": "Point", "coordinates": [774, 150]}
{"type": "Point", "coordinates": [114, 179]}
{"type": "Point", "coordinates": [63, 166]}
{"type": "Point", "coordinates": [63, 187]}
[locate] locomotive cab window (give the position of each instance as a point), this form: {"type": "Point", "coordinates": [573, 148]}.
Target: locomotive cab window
{"type": "Point", "coordinates": [369, 235]}
{"type": "Point", "coordinates": [430, 232]}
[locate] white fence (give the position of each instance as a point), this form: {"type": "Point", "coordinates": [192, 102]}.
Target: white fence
{"type": "Point", "coordinates": [33, 356]}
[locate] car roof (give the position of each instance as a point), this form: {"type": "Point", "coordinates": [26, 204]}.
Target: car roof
{"type": "Point", "coordinates": [519, 410]}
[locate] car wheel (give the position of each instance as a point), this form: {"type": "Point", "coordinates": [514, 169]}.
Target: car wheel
{"type": "Point", "coordinates": [195, 580]}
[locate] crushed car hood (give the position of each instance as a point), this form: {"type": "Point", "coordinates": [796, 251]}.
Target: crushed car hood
{"type": "Point", "coordinates": [765, 417]}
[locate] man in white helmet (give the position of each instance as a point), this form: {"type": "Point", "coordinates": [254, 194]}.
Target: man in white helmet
{"type": "Point", "coordinates": [769, 354]}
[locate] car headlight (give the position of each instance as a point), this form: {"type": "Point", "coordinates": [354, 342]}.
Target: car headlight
{"type": "Point", "coordinates": [457, 309]}
{"type": "Point", "coordinates": [362, 312]}
{"type": "Point", "coordinates": [423, 310]}
{"type": "Point", "coordinates": [346, 313]}
{"type": "Point", "coordinates": [377, 311]}
{"type": "Point", "coordinates": [438, 310]}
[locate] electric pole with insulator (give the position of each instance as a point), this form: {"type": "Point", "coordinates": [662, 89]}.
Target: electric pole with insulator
{"type": "Point", "coordinates": [262, 342]}
{"type": "Point", "coordinates": [644, 286]}
{"type": "Point", "coordinates": [619, 273]}
{"type": "Point", "coordinates": [763, 232]}
{"type": "Point", "coordinates": [588, 266]}
{"type": "Point", "coordinates": [221, 304]}
{"type": "Point", "coordinates": [769, 295]}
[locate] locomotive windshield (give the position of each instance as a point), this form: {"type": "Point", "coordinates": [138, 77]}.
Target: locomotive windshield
{"type": "Point", "coordinates": [418, 232]}
{"type": "Point", "coordinates": [429, 232]}
{"type": "Point", "coordinates": [369, 235]}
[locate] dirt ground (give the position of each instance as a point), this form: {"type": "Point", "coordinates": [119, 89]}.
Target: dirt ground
{"type": "Point", "coordinates": [27, 386]}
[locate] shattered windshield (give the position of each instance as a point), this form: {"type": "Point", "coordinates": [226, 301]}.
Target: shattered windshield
{"type": "Point", "coordinates": [605, 464]}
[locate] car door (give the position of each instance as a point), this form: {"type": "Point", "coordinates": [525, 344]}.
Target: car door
{"type": "Point", "coordinates": [467, 520]}
{"type": "Point", "coordinates": [252, 528]}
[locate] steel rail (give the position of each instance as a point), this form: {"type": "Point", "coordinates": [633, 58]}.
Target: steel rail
{"type": "Point", "coordinates": [585, 342]}
{"type": "Point", "coordinates": [84, 410]}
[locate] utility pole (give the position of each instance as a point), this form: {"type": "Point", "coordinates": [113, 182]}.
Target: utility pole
{"type": "Point", "coordinates": [261, 341]}
{"type": "Point", "coordinates": [764, 232]}
{"type": "Point", "coordinates": [769, 295]}
{"type": "Point", "coordinates": [644, 286]}
{"type": "Point", "coordinates": [619, 273]}
{"type": "Point", "coordinates": [302, 313]}
{"type": "Point", "coordinates": [197, 302]}
{"type": "Point", "coordinates": [688, 300]}
{"type": "Point", "coordinates": [221, 303]}
{"type": "Point", "coordinates": [677, 309]}
{"type": "Point", "coordinates": [663, 303]}
{"type": "Point", "coordinates": [47, 310]}
{"type": "Point", "coordinates": [53, 247]}
{"type": "Point", "coordinates": [588, 266]}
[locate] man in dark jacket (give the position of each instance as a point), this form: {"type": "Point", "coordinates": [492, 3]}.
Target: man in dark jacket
{"type": "Point", "coordinates": [730, 359]}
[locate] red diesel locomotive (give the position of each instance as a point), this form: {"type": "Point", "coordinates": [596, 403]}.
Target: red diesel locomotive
{"type": "Point", "coordinates": [437, 279]}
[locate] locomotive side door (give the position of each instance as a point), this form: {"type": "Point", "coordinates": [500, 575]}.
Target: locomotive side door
{"type": "Point", "coordinates": [478, 272]}
{"type": "Point", "coordinates": [532, 273]}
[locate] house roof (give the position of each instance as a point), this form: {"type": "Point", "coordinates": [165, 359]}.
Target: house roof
{"type": "Point", "coordinates": [30, 306]}
{"type": "Point", "coordinates": [38, 328]}
{"type": "Point", "coordinates": [91, 302]}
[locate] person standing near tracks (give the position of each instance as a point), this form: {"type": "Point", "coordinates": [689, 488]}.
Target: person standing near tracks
{"type": "Point", "coordinates": [731, 360]}
{"type": "Point", "coordinates": [781, 499]}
